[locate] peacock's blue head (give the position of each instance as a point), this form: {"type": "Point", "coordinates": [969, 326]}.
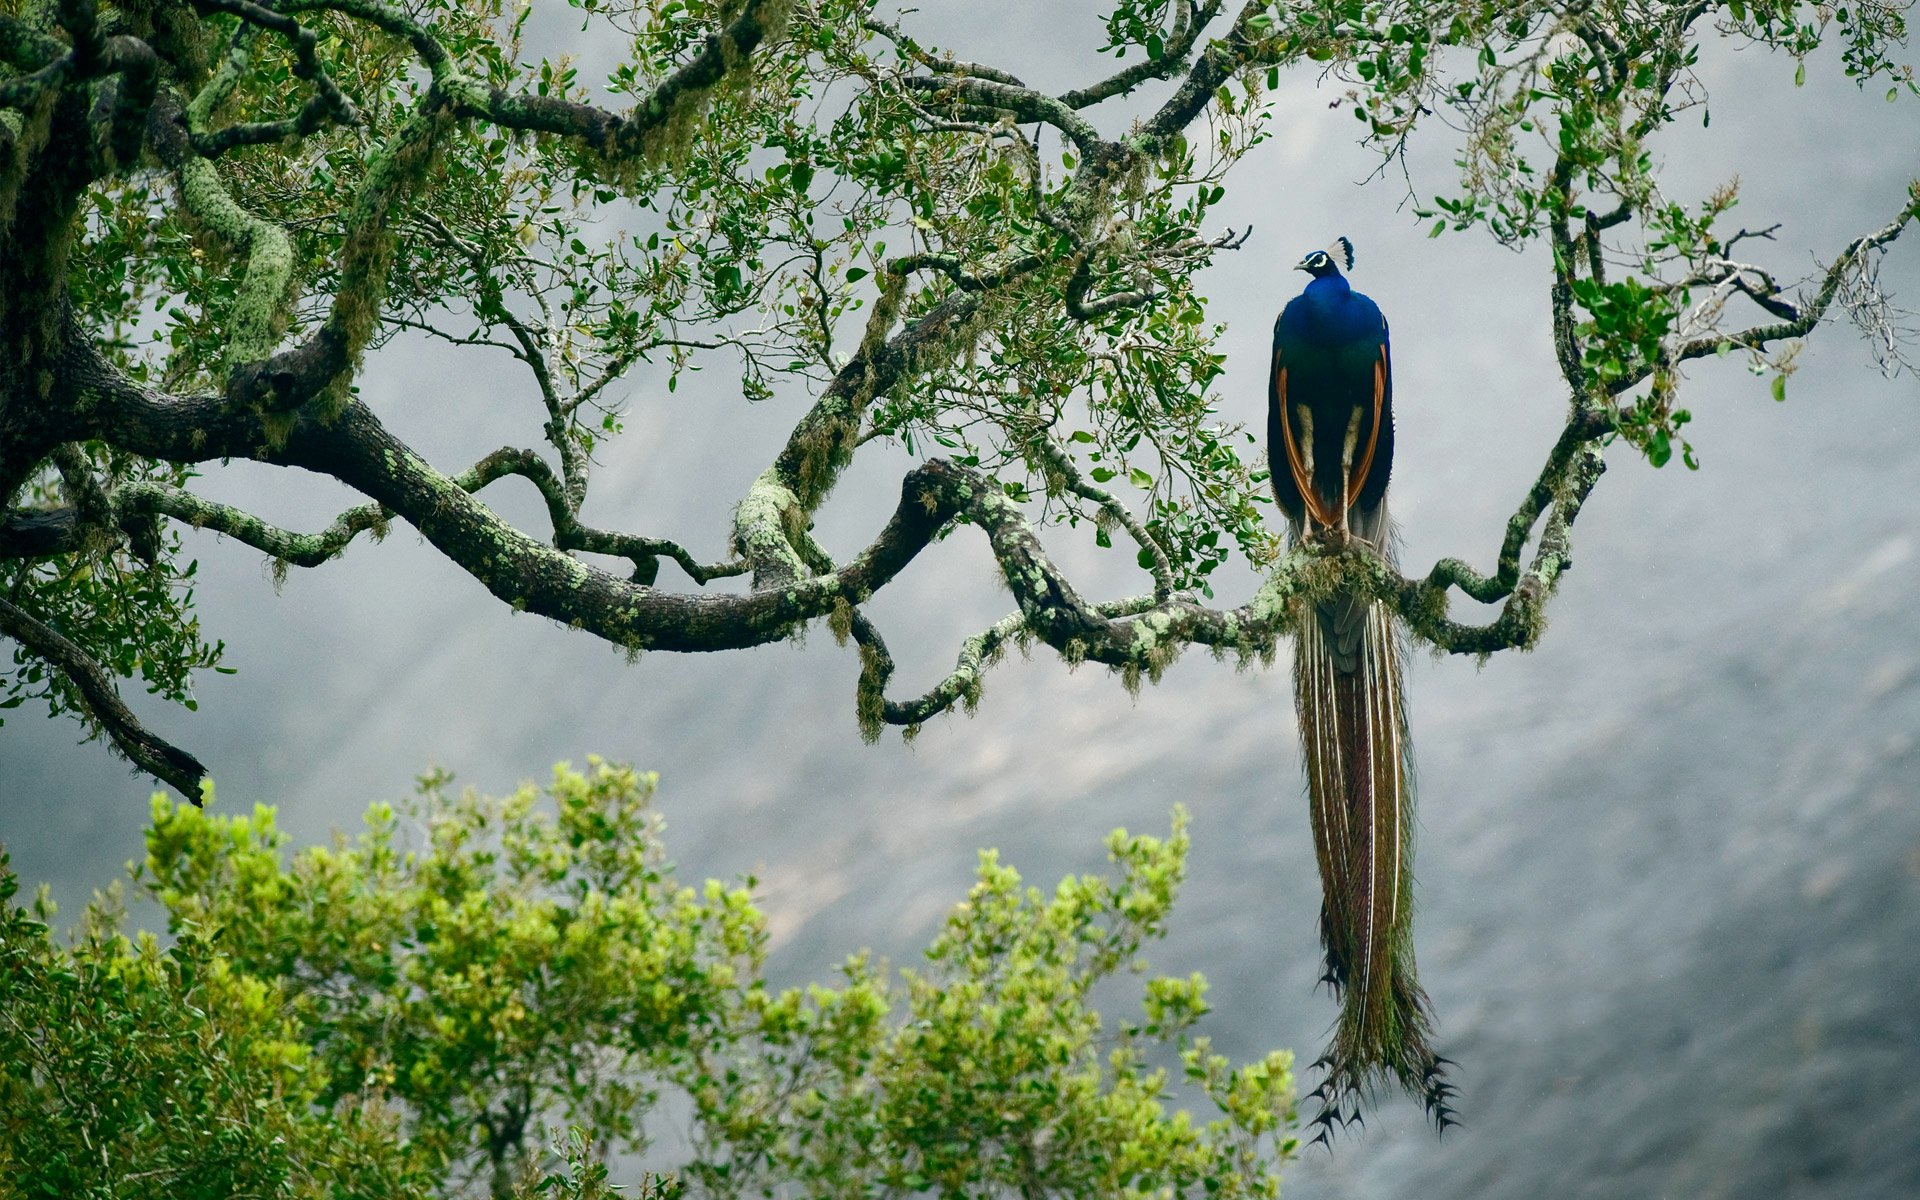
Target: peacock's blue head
{"type": "Point", "coordinates": [1322, 263]}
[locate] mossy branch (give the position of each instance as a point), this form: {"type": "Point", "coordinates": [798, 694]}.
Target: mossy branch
{"type": "Point", "coordinates": [260, 309]}
{"type": "Point", "coordinates": [328, 104]}
{"type": "Point", "coordinates": [150, 498]}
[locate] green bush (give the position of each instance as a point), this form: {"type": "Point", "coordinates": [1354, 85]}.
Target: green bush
{"type": "Point", "coordinates": [497, 993]}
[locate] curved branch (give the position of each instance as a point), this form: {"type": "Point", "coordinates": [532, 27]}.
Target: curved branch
{"type": "Point", "coordinates": [938, 64]}
{"type": "Point", "coordinates": [1580, 432]}
{"type": "Point", "coordinates": [1811, 313]}
{"type": "Point", "coordinates": [1189, 20]}
{"type": "Point", "coordinates": [144, 749]}
{"type": "Point", "coordinates": [638, 136]}
{"type": "Point", "coordinates": [1081, 282]}
{"type": "Point", "coordinates": [329, 103]}
{"type": "Point", "coordinates": [1522, 619]}
{"type": "Point", "coordinates": [264, 245]}
{"type": "Point", "coordinates": [1025, 104]}
{"type": "Point", "coordinates": [148, 498]}
{"type": "Point", "coordinates": [295, 549]}
{"type": "Point", "coordinates": [23, 45]}
{"type": "Point", "coordinates": [1216, 65]}
{"type": "Point", "coordinates": [531, 576]}
{"type": "Point", "coordinates": [961, 686]}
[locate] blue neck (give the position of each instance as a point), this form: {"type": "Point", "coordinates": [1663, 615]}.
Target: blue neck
{"type": "Point", "coordinates": [1328, 287]}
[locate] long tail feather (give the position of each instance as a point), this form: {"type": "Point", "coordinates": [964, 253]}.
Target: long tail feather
{"type": "Point", "coordinates": [1359, 778]}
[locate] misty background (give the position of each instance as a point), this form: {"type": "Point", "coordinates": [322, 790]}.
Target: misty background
{"type": "Point", "coordinates": [1669, 863]}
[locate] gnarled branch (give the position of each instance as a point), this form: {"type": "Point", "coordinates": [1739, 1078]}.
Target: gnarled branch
{"type": "Point", "coordinates": [143, 748]}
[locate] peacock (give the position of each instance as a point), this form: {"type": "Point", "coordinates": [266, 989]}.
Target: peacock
{"type": "Point", "coordinates": [1330, 447]}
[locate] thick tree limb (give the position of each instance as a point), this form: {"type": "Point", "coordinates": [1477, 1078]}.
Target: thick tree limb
{"type": "Point", "coordinates": [40, 533]}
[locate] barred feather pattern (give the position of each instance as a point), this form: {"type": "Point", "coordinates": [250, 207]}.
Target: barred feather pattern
{"type": "Point", "coordinates": [1353, 731]}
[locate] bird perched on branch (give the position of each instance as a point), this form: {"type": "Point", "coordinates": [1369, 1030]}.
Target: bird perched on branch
{"type": "Point", "coordinates": [1330, 450]}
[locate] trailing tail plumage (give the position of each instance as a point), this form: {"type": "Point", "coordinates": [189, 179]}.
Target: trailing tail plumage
{"type": "Point", "coordinates": [1353, 734]}
{"type": "Point", "coordinates": [1330, 449]}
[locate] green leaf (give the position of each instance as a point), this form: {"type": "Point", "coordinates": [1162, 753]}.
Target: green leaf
{"type": "Point", "coordinates": [1659, 448]}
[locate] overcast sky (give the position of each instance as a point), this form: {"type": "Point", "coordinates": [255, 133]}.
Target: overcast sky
{"type": "Point", "coordinates": [1669, 863]}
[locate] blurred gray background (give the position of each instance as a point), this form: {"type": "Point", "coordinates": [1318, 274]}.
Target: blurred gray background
{"type": "Point", "coordinates": [1669, 863]}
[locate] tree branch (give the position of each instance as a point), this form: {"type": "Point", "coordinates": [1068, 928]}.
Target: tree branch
{"type": "Point", "coordinates": [329, 103]}
{"type": "Point", "coordinates": [637, 137]}
{"type": "Point", "coordinates": [40, 533]}
{"type": "Point", "coordinates": [1189, 21]}
{"type": "Point", "coordinates": [1216, 65]}
{"type": "Point", "coordinates": [147, 497]}
{"type": "Point", "coordinates": [1024, 104]}
{"type": "Point", "coordinates": [145, 750]}
{"type": "Point", "coordinates": [1811, 312]}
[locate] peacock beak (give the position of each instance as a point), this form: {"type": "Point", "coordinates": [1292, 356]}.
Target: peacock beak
{"type": "Point", "coordinates": [1302, 266]}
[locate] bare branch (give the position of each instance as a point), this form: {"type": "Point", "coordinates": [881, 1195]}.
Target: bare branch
{"type": "Point", "coordinates": [1811, 311]}
{"type": "Point", "coordinates": [938, 64]}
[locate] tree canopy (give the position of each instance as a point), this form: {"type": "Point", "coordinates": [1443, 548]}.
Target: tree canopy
{"type": "Point", "coordinates": [214, 214]}
{"type": "Point", "coordinates": [409, 1012]}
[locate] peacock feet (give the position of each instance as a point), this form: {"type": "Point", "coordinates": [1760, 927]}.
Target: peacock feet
{"type": "Point", "coordinates": [1331, 539]}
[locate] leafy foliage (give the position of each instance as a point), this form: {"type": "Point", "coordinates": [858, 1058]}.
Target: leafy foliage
{"type": "Point", "coordinates": [127, 1069]}
{"type": "Point", "coordinates": [370, 1018]}
{"type": "Point", "coordinates": [127, 602]}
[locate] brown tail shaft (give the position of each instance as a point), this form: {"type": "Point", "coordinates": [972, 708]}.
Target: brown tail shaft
{"type": "Point", "coordinates": [1353, 731]}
